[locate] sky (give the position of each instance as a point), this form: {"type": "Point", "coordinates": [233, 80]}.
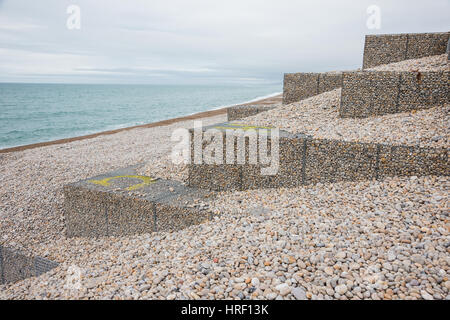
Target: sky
{"type": "Point", "coordinates": [196, 42]}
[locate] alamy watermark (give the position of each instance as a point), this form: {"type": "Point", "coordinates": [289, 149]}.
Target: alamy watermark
{"type": "Point", "coordinates": [228, 144]}
{"type": "Point", "coordinates": [73, 278]}
{"type": "Point", "coordinates": [374, 19]}
{"type": "Point", "coordinates": [74, 20]}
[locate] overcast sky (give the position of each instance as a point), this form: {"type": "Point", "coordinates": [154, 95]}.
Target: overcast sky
{"type": "Point", "coordinates": [193, 42]}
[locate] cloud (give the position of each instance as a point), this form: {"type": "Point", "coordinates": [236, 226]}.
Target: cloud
{"type": "Point", "coordinates": [145, 70]}
{"type": "Point", "coordinates": [178, 41]}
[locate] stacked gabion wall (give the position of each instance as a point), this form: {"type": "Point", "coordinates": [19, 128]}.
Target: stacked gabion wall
{"type": "Point", "coordinates": [16, 265]}
{"type": "Point", "coordinates": [305, 160]}
{"type": "Point", "coordinates": [371, 93]}
{"type": "Point", "coordinates": [299, 86]}
{"type": "Point", "coordinates": [241, 112]}
{"type": "Point", "coordinates": [389, 48]}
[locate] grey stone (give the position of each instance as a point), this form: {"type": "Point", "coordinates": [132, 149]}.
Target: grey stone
{"type": "Point", "coordinates": [299, 293]}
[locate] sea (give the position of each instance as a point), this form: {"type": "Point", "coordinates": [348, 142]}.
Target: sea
{"type": "Point", "coordinates": [32, 113]}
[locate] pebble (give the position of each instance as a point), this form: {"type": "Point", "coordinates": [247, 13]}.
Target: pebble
{"type": "Point", "coordinates": [271, 296]}
{"type": "Point", "coordinates": [341, 255]}
{"type": "Point", "coordinates": [283, 289]}
{"type": "Point", "coordinates": [341, 289]}
{"type": "Point", "coordinates": [299, 293]}
{"type": "Point", "coordinates": [329, 271]}
{"type": "Point", "coordinates": [417, 258]}
{"type": "Point", "coordinates": [426, 295]}
{"type": "Point", "coordinates": [447, 285]}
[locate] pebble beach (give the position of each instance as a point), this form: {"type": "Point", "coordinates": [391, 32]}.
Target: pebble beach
{"type": "Point", "coordinates": [366, 240]}
{"type": "Point", "coordinates": [385, 239]}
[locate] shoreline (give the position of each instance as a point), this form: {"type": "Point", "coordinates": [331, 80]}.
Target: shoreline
{"type": "Point", "coordinates": [204, 114]}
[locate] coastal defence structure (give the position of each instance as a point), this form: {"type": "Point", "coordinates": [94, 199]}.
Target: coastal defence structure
{"type": "Point", "coordinates": [241, 112]}
{"type": "Point", "coordinates": [105, 205]}
{"type": "Point", "coordinates": [372, 93]}
{"type": "Point", "coordinates": [305, 160]}
{"type": "Point", "coordinates": [125, 203]}
{"type": "Point", "coordinates": [389, 48]}
{"type": "Point", "coordinates": [378, 50]}
{"type": "Point", "coordinates": [17, 264]}
{"type": "Point", "coordinates": [299, 86]}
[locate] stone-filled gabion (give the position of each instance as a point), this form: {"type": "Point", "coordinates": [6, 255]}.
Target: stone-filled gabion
{"type": "Point", "coordinates": [107, 205]}
{"type": "Point", "coordinates": [290, 172]}
{"type": "Point", "coordinates": [389, 48]}
{"type": "Point", "coordinates": [371, 93]}
{"type": "Point", "coordinates": [412, 161]}
{"type": "Point", "coordinates": [366, 94]}
{"type": "Point", "coordinates": [330, 161]}
{"type": "Point", "coordinates": [299, 86]}
{"type": "Point", "coordinates": [329, 81]}
{"type": "Point", "coordinates": [241, 112]}
{"type": "Point", "coordinates": [423, 89]}
{"type": "Point", "coordinates": [384, 49]}
{"type": "Point", "coordinates": [448, 49]}
{"type": "Point", "coordinates": [426, 44]}
{"type": "Point", "coordinates": [235, 176]}
{"type": "Point", "coordinates": [17, 265]}
{"type": "Point", "coordinates": [305, 160]}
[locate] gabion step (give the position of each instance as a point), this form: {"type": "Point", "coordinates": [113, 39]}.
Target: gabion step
{"type": "Point", "coordinates": [389, 48]}
{"type": "Point", "coordinates": [121, 203]}
{"type": "Point", "coordinates": [303, 85]}
{"type": "Point", "coordinates": [16, 265]}
{"type": "Point", "coordinates": [241, 112]}
{"type": "Point", "coordinates": [373, 93]}
{"type": "Point", "coordinates": [304, 160]}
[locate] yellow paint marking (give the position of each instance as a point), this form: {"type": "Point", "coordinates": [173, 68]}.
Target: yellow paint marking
{"type": "Point", "coordinates": [145, 181]}
{"type": "Point", "coordinates": [241, 126]}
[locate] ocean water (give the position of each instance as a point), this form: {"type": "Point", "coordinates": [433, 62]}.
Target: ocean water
{"type": "Point", "coordinates": [31, 113]}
